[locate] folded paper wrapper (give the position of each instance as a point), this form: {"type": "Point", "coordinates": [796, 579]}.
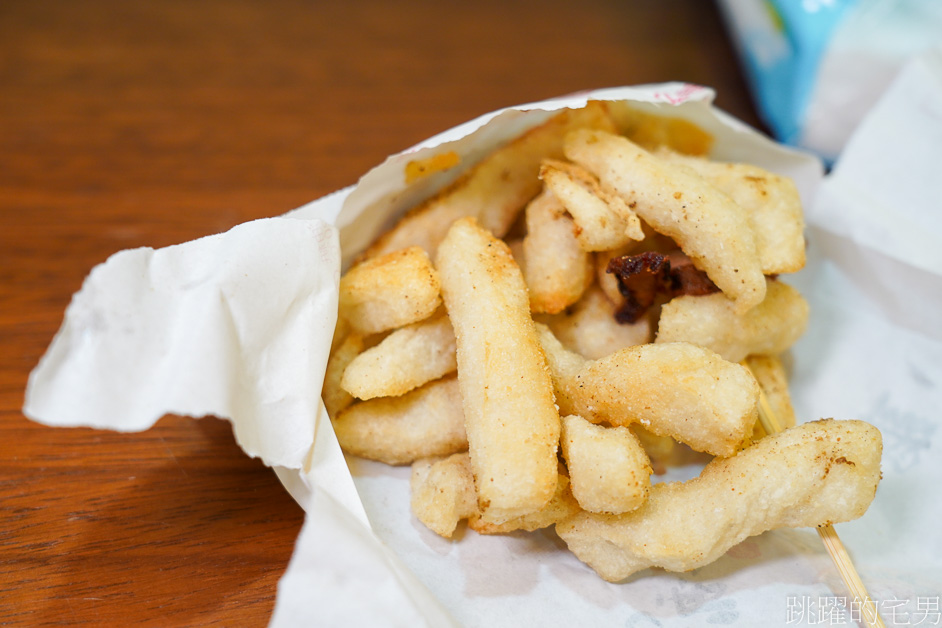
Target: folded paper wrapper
{"type": "Point", "coordinates": [239, 324]}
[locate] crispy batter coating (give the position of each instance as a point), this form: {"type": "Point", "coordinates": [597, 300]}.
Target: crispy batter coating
{"type": "Point", "coordinates": [404, 360]}
{"type": "Point", "coordinates": [608, 468]}
{"type": "Point", "coordinates": [560, 507]}
{"type": "Point", "coordinates": [707, 225]}
{"type": "Point", "coordinates": [814, 474]}
{"type": "Point", "coordinates": [398, 430]}
{"type": "Point", "coordinates": [443, 494]}
{"type": "Point", "coordinates": [603, 218]}
{"type": "Point", "coordinates": [771, 201]}
{"type": "Point", "coordinates": [678, 390]}
{"type": "Point", "coordinates": [512, 421]}
{"type": "Point", "coordinates": [496, 189]}
{"type": "Point", "coordinates": [334, 396]}
{"type": "Point", "coordinates": [712, 321]}
{"type": "Point", "coordinates": [557, 270]}
{"type": "Point", "coordinates": [589, 327]}
{"type": "Point", "coordinates": [385, 292]}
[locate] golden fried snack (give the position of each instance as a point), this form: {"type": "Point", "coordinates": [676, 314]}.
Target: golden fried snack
{"type": "Point", "coordinates": [557, 270]}
{"type": "Point", "coordinates": [677, 390]}
{"type": "Point", "coordinates": [443, 494]}
{"type": "Point", "coordinates": [771, 201]}
{"type": "Point", "coordinates": [589, 327]}
{"type": "Point", "coordinates": [604, 220]}
{"type": "Point", "coordinates": [770, 374]}
{"type": "Point", "coordinates": [810, 475]}
{"type": "Point", "coordinates": [608, 468]}
{"type": "Point", "coordinates": [711, 321]}
{"type": "Point", "coordinates": [334, 396]}
{"type": "Point", "coordinates": [389, 291]}
{"type": "Point", "coordinates": [398, 430]}
{"type": "Point", "coordinates": [404, 360]}
{"type": "Point", "coordinates": [494, 190]}
{"type": "Point", "coordinates": [562, 506]}
{"type": "Point", "coordinates": [705, 223]}
{"type": "Point", "coordinates": [511, 419]}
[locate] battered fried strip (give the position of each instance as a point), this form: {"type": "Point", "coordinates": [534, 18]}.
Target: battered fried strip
{"type": "Point", "coordinates": [814, 474]}
{"type": "Point", "coordinates": [589, 327]}
{"type": "Point", "coordinates": [677, 390]}
{"type": "Point", "coordinates": [557, 270]}
{"type": "Point", "coordinates": [771, 201]}
{"type": "Point", "coordinates": [608, 467]}
{"type": "Point", "coordinates": [404, 360]}
{"type": "Point", "coordinates": [707, 225]}
{"type": "Point", "coordinates": [496, 189]}
{"type": "Point", "coordinates": [385, 292]}
{"type": "Point", "coordinates": [334, 396]}
{"type": "Point", "coordinates": [562, 506]}
{"type": "Point", "coordinates": [512, 422]}
{"type": "Point", "coordinates": [604, 220]}
{"type": "Point", "coordinates": [398, 430]}
{"type": "Point", "coordinates": [712, 322]}
{"type": "Point", "coordinates": [443, 494]}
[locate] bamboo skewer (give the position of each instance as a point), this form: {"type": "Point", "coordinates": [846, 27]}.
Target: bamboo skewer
{"type": "Point", "coordinates": [869, 613]}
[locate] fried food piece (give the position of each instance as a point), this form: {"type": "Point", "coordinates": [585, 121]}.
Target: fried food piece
{"type": "Point", "coordinates": [557, 270]}
{"type": "Point", "coordinates": [404, 360]}
{"type": "Point", "coordinates": [811, 475]}
{"type": "Point", "coordinates": [385, 292]}
{"type": "Point", "coordinates": [398, 430]}
{"type": "Point", "coordinates": [608, 468]}
{"type": "Point", "coordinates": [603, 219]}
{"type": "Point", "coordinates": [677, 390]}
{"type": "Point", "coordinates": [334, 396]}
{"type": "Point", "coordinates": [770, 374]}
{"type": "Point", "coordinates": [443, 494]}
{"type": "Point", "coordinates": [512, 421]}
{"type": "Point", "coordinates": [770, 200]}
{"type": "Point", "coordinates": [494, 190]}
{"type": "Point", "coordinates": [712, 322]}
{"type": "Point", "coordinates": [705, 223]}
{"type": "Point", "coordinates": [589, 327]}
{"type": "Point", "coordinates": [562, 506]}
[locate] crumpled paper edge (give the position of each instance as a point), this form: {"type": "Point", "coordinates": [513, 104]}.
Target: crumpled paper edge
{"type": "Point", "coordinates": [200, 329]}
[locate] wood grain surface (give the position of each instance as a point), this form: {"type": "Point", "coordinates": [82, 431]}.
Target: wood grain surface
{"type": "Point", "coordinates": [127, 124]}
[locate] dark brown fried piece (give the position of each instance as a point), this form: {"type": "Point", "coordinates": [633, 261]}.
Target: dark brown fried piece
{"type": "Point", "coordinates": [643, 277]}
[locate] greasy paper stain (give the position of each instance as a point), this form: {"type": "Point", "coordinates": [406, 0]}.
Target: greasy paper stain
{"type": "Point", "coordinates": [418, 168]}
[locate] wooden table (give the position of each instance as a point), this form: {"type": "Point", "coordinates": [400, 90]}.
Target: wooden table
{"type": "Point", "coordinates": [127, 124]}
